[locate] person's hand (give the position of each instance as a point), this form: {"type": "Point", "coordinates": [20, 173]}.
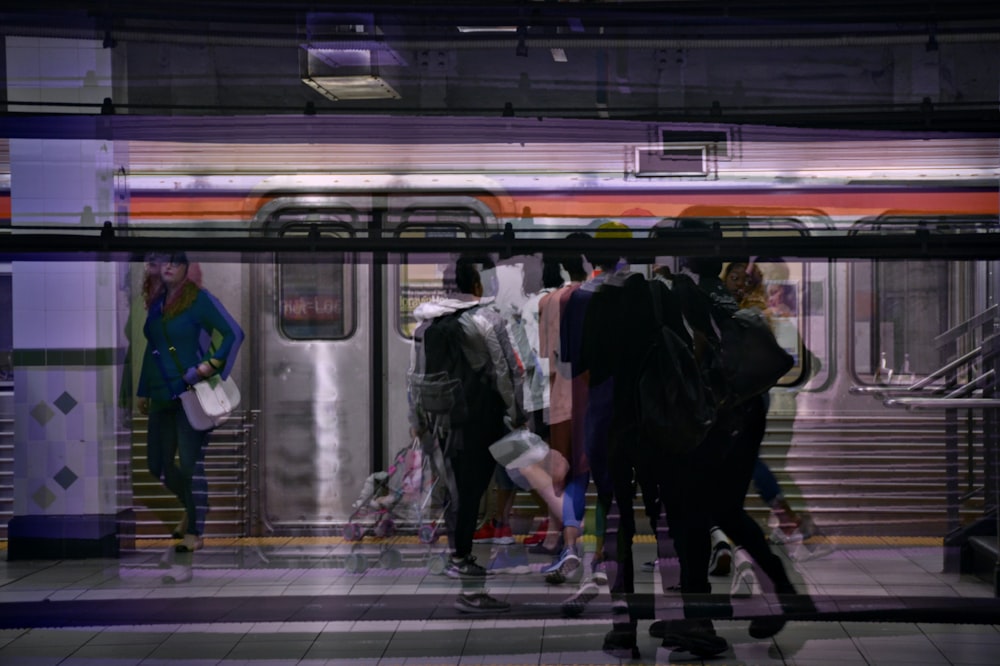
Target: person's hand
{"type": "Point", "coordinates": [192, 376]}
{"type": "Point", "coordinates": [142, 404]}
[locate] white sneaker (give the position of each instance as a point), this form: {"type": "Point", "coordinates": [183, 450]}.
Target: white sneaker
{"type": "Point", "coordinates": [811, 549]}
{"type": "Point", "coordinates": [779, 536]}
{"type": "Point", "coordinates": [722, 557]}
{"type": "Point", "coordinates": [745, 583]}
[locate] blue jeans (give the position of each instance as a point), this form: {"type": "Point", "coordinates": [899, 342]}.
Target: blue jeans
{"type": "Point", "coordinates": [175, 454]}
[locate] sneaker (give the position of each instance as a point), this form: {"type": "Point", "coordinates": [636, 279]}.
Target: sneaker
{"type": "Point", "coordinates": [571, 572]}
{"type": "Point", "coordinates": [539, 535]}
{"type": "Point", "coordinates": [650, 565]}
{"type": "Point", "coordinates": [574, 605]}
{"type": "Point", "coordinates": [744, 582]}
{"type": "Point", "coordinates": [722, 558]}
{"type": "Point", "coordinates": [464, 568]}
{"type": "Point", "coordinates": [485, 533]}
{"type": "Point", "coordinates": [191, 543]}
{"type": "Point", "coordinates": [766, 627]}
{"type": "Point", "coordinates": [541, 549]}
{"type": "Point", "coordinates": [621, 643]}
{"type": "Point", "coordinates": [567, 554]}
{"type": "Point", "coordinates": [599, 572]}
{"type": "Point", "coordinates": [781, 537]}
{"type": "Point", "coordinates": [510, 561]}
{"type": "Point", "coordinates": [480, 603]}
{"type": "Point", "coordinates": [503, 535]}
{"type": "Point", "coordinates": [699, 642]}
{"type": "Point", "coordinates": [811, 549]}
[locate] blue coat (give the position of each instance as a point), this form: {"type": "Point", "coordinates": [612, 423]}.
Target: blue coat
{"type": "Point", "coordinates": [190, 332]}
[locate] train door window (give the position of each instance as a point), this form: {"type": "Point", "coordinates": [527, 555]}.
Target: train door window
{"type": "Point", "coordinates": [423, 277]}
{"type": "Point", "coordinates": [792, 295]}
{"type": "Point", "coordinates": [6, 330]}
{"type": "Point", "coordinates": [900, 306]}
{"type": "Point", "coordinates": [315, 296]}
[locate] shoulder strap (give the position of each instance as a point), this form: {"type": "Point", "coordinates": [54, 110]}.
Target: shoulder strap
{"type": "Point", "coordinates": [159, 361]}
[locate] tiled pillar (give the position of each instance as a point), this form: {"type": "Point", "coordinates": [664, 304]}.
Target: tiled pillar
{"type": "Point", "coordinates": [68, 333]}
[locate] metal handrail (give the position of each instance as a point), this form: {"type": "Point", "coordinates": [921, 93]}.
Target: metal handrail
{"type": "Point", "coordinates": [973, 321]}
{"type": "Point", "coordinates": [943, 403]}
{"type": "Point", "coordinates": [974, 384]}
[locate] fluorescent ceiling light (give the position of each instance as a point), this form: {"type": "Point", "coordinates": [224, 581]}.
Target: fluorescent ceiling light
{"type": "Point", "coordinates": [487, 28]}
{"type": "Point", "coordinates": [361, 86]}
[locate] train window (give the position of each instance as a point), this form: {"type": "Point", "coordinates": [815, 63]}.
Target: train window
{"type": "Point", "coordinates": [789, 300]}
{"type": "Point", "coordinates": [314, 301]}
{"type": "Point", "coordinates": [6, 330]}
{"type": "Point", "coordinates": [423, 278]}
{"type": "Point", "coordinates": [899, 308]}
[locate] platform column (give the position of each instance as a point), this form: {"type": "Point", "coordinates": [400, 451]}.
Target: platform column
{"type": "Point", "coordinates": [71, 440]}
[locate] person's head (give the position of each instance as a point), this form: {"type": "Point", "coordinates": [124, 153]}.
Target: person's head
{"type": "Point", "coordinates": [551, 273]}
{"type": "Point", "coordinates": [467, 279]}
{"type": "Point", "coordinates": [173, 268]}
{"type": "Point", "coordinates": [608, 229]}
{"type": "Point", "coordinates": [573, 263]}
{"type": "Point", "coordinates": [743, 279]}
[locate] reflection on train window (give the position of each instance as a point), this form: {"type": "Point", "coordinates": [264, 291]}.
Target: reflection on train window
{"type": "Point", "coordinates": [422, 278]}
{"type": "Point", "coordinates": [899, 308]}
{"type": "Point", "coordinates": [6, 330]}
{"type": "Point", "coordinates": [314, 298]}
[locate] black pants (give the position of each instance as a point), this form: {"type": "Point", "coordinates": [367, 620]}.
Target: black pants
{"type": "Point", "coordinates": [734, 476]}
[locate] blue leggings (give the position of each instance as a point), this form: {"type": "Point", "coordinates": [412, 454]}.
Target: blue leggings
{"type": "Point", "coordinates": [765, 482]}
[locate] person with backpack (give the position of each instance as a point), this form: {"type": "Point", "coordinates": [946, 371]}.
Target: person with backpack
{"type": "Point", "coordinates": [465, 393]}
{"type": "Point", "coordinates": [625, 324]}
{"type": "Point", "coordinates": [724, 461]}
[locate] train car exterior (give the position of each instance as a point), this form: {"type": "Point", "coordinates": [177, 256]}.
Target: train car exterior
{"type": "Point", "coordinates": [324, 369]}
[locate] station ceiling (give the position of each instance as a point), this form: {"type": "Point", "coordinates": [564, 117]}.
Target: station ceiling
{"type": "Point", "coordinates": [896, 65]}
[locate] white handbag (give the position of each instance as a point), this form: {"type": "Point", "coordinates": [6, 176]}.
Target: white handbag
{"type": "Point", "coordinates": [209, 403]}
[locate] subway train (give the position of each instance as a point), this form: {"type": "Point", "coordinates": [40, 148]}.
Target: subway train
{"type": "Point", "coordinates": [857, 434]}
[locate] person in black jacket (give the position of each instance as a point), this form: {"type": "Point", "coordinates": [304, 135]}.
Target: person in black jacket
{"type": "Point", "coordinates": [619, 329]}
{"type": "Point", "coordinates": [725, 462]}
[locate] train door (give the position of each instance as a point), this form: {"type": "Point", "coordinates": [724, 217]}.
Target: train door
{"type": "Point", "coordinates": [332, 350]}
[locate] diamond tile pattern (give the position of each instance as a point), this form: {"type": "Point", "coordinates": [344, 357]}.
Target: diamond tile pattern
{"type": "Point", "coordinates": [65, 477]}
{"type": "Point", "coordinates": [65, 403]}
{"type": "Point", "coordinates": [42, 413]}
{"type": "Point", "coordinates": [43, 497]}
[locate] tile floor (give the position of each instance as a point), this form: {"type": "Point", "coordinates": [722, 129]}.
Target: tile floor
{"type": "Point", "coordinates": [317, 601]}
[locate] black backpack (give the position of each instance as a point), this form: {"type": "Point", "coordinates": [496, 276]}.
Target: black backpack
{"type": "Point", "coordinates": [676, 403]}
{"type": "Point", "coordinates": [746, 359]}
{"type": "Point", "coordinates": [443, 383]}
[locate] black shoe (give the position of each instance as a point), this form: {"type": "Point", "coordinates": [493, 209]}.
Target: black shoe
{"type": "Point", "coordinates": [574, 605]}
{"type": "Point", "coordinates": [699, 642]}
{"type": "Point", "coordinates": [766, 627]}
{"type": "Point", "coordinates": [621, 643]}
{"type": "Point", "coordinates": [480, 603]}
{"type": "Point", "coordinates": [466, 567]}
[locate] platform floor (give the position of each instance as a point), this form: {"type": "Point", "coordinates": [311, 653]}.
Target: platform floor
{"type": "Point", "coordinates": [324, 601]}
